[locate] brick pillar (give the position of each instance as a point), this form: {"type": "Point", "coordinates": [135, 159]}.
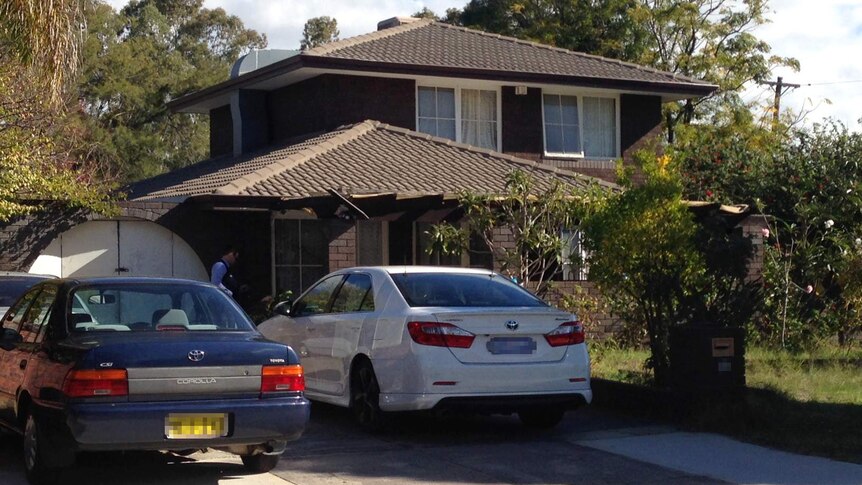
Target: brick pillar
{"type": "Point", "coordinates": [342, 248]}
{"type": "Point", "coordinates": [753, 226]}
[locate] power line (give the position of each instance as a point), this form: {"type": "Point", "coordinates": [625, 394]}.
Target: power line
{"type": "Point", "coordinates": [855, 81]}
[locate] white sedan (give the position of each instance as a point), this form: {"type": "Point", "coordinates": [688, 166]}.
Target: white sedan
{"type": "Point", "coordinates": [381, 339]}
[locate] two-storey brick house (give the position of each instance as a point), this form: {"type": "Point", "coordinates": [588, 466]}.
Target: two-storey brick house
{"type": "Point", "coordinates": [343, 154]}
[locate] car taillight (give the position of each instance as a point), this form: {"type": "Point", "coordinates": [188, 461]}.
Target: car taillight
{"type": "Point", "coordinates": [281, 378]}
{"type": "Point", "coordinates": [440, 334]}
{"type": "Point", "coordinates": [96, 383]}
{"type": "Point", "coordinates": [569, 333]}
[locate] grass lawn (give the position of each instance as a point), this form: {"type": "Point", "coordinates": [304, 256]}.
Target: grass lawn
{"type": "Point", "coordinates": [809, 403]}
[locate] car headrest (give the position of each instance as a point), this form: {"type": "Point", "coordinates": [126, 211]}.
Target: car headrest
{"type": "Point", "coordinates": [174, 316]}
{"type": "Point", "coordinates": [81, 318]}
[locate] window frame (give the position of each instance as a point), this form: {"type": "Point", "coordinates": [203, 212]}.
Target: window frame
{"type": "Point", "coordinates": [580, 95]}
{"type": "Point", "coordinates": [299, 217]}
{"type": "Point", "coordinates": [573, 241]}
{"type": "Point", "coordinates": [458, 87]}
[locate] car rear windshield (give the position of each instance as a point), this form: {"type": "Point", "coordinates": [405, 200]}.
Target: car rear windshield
{"type": "Point", "coordinates": [463, 290]}
{"type": "Point", "coordinates": [152, 307]}
{"type": "Point", "coordinates": [12, 288]}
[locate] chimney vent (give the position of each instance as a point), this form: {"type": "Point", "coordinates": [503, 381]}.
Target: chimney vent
{"type": "Point", "coordinates": [395, 22]}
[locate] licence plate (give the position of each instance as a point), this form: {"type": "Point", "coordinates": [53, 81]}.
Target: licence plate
{"type": "Point", "coordinates": [180, 426]}
{"type": "Point", "coordinates": [511, 345]}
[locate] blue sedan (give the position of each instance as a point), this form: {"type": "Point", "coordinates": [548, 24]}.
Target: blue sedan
{"type": "Point", "coordinates": [143, 364]}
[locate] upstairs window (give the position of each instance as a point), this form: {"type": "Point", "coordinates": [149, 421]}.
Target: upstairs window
{"type": "Point", "coordinates": [437, 112]}
{"type": "Point", "coordinates": [580, 126]}
{"type": "Point", "coordinates": [469, 116]}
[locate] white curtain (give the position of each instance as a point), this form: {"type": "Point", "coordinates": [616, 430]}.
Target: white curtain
{"type": "Point", "coordinates": [600, 127]}
{"type": "Point", "coordinates": [479, 118]}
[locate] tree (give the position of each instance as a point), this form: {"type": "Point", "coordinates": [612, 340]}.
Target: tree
{"type": "Point", "coordinates": [45, 37]}
{"type": "Point", "coordinates": [38, 162]}
{"type": "Point", "coordinates": [425, 13]}
{"type": "Point", "coordinates": [139, 59]}
{"type": "Point", "coordinates": [711, 40]}
{"type": "Point", "coordinates": [601, 27]}
{"type": "Point", "coordinates": [452, 16]}
{"type": "Point", "coordinates": [318, 31]}
{"type": "Point", "coordinates": [538, 222]}
{"type": "Point", "coordinates": [643, 257]}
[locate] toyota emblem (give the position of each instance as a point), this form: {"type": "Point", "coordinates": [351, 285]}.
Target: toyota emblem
{"type": "Point", "coordinates": [512, 325]}
{"type": "Point", "coordinates": [196, 355]}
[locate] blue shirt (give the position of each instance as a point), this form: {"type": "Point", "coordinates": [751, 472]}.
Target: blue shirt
{"type": "Point", "coordinates": [219, 269]}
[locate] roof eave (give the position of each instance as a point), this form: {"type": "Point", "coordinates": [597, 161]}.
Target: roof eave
{"type": "Point", "coordinates": [281, 67]}
{"type": "Point", "coordinates": [669, 87]}
{"type": "Point", "coordinates": [677, 88]}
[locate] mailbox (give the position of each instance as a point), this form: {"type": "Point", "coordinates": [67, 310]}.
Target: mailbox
{"type": "Point", "coordinates": [707, 357]}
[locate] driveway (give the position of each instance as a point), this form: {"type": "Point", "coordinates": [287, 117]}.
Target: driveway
{"type": "Point", "coordinates": [482, 450]}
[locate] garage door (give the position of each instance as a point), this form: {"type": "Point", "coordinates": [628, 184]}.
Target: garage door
{"type": "Point", "coordinates": [119, 248]}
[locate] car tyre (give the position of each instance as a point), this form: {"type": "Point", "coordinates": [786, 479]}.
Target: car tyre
{"type": "Point", "coordinates": [541, 418]}
{"type": "Point", "coordinates": [259, 463]}
{"type": "Point", "coordinates": [34, 454]}
{"type": "Point", "coordinates": [365, 398]}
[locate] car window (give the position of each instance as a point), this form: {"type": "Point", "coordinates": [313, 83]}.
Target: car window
{"type": "Point", "coordinates": [353, 294]}
{"type": "Point", "coordinates": [317, 299]}
{"type": "Point", "coordinates": [462, 290]}
{"type": "Point", "coordinates": [143, 307]}
{"type": "Point", "coordinates": [38, 314]}
{"type": "Point", "coordinates": [16, 314]}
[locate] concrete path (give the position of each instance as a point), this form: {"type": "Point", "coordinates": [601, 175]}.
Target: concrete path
{"type": "Point", "coordinates": [719, 457]}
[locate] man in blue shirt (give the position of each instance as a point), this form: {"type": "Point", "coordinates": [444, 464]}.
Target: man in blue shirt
{"type": "Point", "coordinates": [220, 273]}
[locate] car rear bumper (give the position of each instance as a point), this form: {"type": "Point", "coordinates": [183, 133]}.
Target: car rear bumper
{"type": "Point", "coordinates": [141, 426]}
{"type": "Point", "coordinates": [485, 403]}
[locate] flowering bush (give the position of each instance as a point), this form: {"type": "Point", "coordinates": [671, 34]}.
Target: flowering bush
{"type": "Point", "coordinates": [808, 181]}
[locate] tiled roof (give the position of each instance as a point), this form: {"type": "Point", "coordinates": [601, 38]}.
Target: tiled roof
{"type": "Point", "coordinates": [366, 158]}
{"type": "Point", "coordinates": [429, 43]}
{"type": "Point", "coordinates": [426, 47]}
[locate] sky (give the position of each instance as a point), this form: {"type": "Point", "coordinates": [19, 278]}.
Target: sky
{"type": "Point", "coordinates": [824, 35]}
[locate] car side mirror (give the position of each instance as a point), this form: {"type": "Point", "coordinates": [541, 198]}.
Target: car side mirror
{"type": "Point", "coordinates": [9, 339]}
{"type": "Point", "coordinates": [282, 308]}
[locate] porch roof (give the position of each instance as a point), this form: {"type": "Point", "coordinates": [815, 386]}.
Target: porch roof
{"type": "Point", "coordinates": [365, 158]}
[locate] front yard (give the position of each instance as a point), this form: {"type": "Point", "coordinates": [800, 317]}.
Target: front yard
{"type": "Point", "coordinates": [809, 403]}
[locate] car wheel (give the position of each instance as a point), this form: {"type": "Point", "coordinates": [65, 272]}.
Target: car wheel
{"type": "Point", "coordinates": [34, 454]}
{"type": "Point", "coordinates": [541, 418]}
{"type": "Point", "coordinates": [260, 463]}
{"type": "Point", "coordinates": [365, 398]}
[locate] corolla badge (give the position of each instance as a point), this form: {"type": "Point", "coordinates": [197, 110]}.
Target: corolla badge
{"type": "Point", "coordinates": [196, 355]}
{"type": "Point", "coordinates": [512, 325]}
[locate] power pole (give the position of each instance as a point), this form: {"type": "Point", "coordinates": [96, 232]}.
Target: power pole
{"type": "Point", "coordinates": [780, 88]}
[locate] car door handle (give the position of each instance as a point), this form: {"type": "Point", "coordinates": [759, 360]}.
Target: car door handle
{"type": "Point", "coordinates": [23, 364]}
{"type": "Point", "coordinates": [309, 329]}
